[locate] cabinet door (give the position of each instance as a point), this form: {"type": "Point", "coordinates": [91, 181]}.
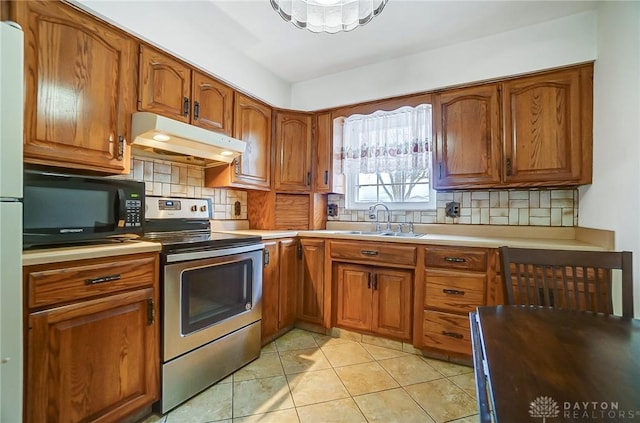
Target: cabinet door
{"type": "Point", "coordinates": [467, 147]}
{"type": "Point", "coordinates": [252, 123]}
{"type": "Point", "coordinates": [93, 360]}
{"type": "Point", "coordinates": [312, 287]}
{"type": "Point", "coordinates": [270, 290]}
{"type": "Point", "coordinates": [354, 295]}
{"type": "Point", "coordinates": [392, 303]}
{"type": "Point", "coordinates": [289, 275]}
{"type": "Point", "coordinates": [164, 85]}
{"type": "Point", "coordinates": [212, 104]}
{"type": "Point", "coordinates": [542, 128]}
{"type": "Point", "coordinates": [324, 153]}
{"type": "Point", "coordinates": [293, 152]}
{"type": "Point", "coordinates": [80, 89]}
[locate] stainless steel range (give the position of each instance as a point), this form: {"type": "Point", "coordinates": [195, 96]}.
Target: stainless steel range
{"type": "Point", "coordinates": [211, 289]}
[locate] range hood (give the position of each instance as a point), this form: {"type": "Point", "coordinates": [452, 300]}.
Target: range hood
{"type": "Point", "coordinates": [169, 139]}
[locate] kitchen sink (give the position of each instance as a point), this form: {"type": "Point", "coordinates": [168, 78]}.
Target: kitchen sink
{"type": "Point", "coordinates": [383, 233]}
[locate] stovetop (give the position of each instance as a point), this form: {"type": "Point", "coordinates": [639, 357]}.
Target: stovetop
{"type": "Point", "coordinates": [182, 224]}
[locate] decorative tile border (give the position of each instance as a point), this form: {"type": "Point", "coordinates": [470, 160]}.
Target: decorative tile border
{"type": "Point", "coordinates": [553, 207]}
{"type": "Point", "coordinates": [172, 179]}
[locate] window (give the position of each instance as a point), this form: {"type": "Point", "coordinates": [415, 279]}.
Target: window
{"type": "Point", "coordinates": [388, 159]}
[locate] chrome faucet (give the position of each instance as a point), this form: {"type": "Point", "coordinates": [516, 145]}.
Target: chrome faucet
{"type": "Point", "coordinates": [374, 215]}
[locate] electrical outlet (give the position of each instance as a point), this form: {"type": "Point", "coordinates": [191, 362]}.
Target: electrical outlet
{"type": "Point", "coordinates": [332, 210]}
{"type": "Point", "coordinates": [452, 209]}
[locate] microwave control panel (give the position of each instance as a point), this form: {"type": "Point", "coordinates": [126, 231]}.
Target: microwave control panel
{"type": "Point", "coordinates": [133, 213]}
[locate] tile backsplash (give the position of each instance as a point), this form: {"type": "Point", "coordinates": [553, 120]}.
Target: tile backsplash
{"type": "Point", "coordinates": [167, 178]}
{"type": "Point", "coordinates": [535, 207]}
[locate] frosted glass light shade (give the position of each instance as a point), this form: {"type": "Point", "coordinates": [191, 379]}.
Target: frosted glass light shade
{"type": "Point", "coordinates": [329, 16]}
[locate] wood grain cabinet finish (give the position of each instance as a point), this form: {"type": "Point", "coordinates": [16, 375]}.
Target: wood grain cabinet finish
{"type": "Point", "coordinates": [252, 124]}
{"type": "Point", "coordinates": [80, 89]}
{"type": "Point", "coordinates": [467, 145]}
{"type": "Point", "coordinates": [280, 286]}
{"type": "Point", "coordinates": [173, 89]}
{"type": "Point", "coordinates": [374, 299]}
{"type": "Point", "coordinates": [455, 283]}
{"type": "Point", "coordinates": [328, 174]}
{"type": "Point", "coordinates": [293, 132]}
{"type": "Point", "coordinates": [547, 129]}
{"type": "Point", "coordinates": [312, 286]}
{"type": "Point", "coordinates": [92, 356]}
{"type": "Point", "coordinates": [523, 132]}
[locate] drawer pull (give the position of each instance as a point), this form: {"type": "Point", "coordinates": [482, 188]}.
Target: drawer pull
{"type": "Point", "coordinates": [452, 334]}
{"type": "Point", "coordinates": [369, 252]}
{"type": "Point", "coordinates": [455, 259]}
{"type": "Point", "coordinates": [101, 279]}
{"type": "Point", "coordinates": [453, 292]}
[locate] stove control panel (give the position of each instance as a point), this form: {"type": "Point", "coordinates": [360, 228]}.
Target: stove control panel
{"type": "Point", "coordinates": [177, 208]}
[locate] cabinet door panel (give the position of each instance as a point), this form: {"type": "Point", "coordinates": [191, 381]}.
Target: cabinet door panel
{"type": "Point", "coordinates": [467, 147]}
{"type": "Point", "coordinates": [289, 279]}
{"type": "Point", "coordinates": [312, 287]}
{"type": "Point", "coordinates": [79, 89]}
{"type": "Point", "coordinates": [293, 152]}
{"type": "Point", "coordinates": [252, 123]}
{"type": "Point", "coordinates": [542, 127]}
{"type": "Point", "coordinates": [457, 292]}
{"type": "Point", "coordinates": [92, 360]}
{"type": "Point", "coordinates": [270, 290]}
{"type": "Point", "coordinates": [165, 83]}
{"type": "Point", "coordinates": [354, 296]}
{"type": "Point", "coordinates": [212, 104]}
{"type": "Point", "coordinates": [392, 303]}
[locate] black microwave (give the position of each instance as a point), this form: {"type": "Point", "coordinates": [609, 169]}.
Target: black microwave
{"type": "Point", "coordinates": [68, 209]}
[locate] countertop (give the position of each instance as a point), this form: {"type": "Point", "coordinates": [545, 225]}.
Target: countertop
{"type": "Point", "coordinates": [61, 254]}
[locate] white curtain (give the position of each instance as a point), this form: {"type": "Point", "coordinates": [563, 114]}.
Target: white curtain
{"type": "Point", "coordinates": [388, 142]}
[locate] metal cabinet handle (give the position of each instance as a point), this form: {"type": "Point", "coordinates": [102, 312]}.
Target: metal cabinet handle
{"type": "Point", "coordinates": [121, 146]}
{"type": "Point", "coordinates": [375, 282]}
{"type": "Point", "coordinates": [151, 311]}
{"type": "Point", "coordinates": [326, 177]}
{"type": "Point", "coordinates": [368, 252]}
{"type": "Point", "coordinates": [453, 292]}
{"type": "Point", "coordinates": [102, 279]}
{"type": "Point", "coordinates": [455, 259]}
{"type": "Point", "coordinates": [508, 166]}
{"type": "Point", "coordinates": [308, 178]}
{"type": "Point", "coordinates": [196, 110]}
{"type": "Point", "coordinates": [368, 280]}
{"type": "Point", "coordinates": [452, 334]}
{"type": "Point", "coordinates": [185, 106]}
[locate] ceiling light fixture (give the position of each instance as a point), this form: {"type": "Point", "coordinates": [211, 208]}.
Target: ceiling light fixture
{"type": "Point", "coordinates": [329, 16]}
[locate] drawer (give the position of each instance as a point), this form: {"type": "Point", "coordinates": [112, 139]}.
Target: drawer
{"type": "Point", "coordinates": [474, 259]}
{"type": "Point", "coordinates": [455, 292]}
{"type": "Point", "coordinates": [374, 251]}
{"type": "Point", "coordinates": [447, 332]}
{"type": "Point", "coordinates": [48, 285]}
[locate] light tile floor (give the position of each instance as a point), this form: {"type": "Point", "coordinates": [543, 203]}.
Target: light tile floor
{"type": "Point", "coordinates": [304, 377]}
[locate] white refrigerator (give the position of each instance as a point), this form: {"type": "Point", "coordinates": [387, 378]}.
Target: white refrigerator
{"type": "Point", "coordinates": [11, 138]}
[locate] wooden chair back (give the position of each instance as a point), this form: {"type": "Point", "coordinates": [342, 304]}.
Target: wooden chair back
{"type": "Point", "coordinates": [578, 280]}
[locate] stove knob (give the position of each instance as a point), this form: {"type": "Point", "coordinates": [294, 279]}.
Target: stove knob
{"type": "Point", "coordinates": [203, 208]}
{"type": "Point", "coordinates": [194, 208]}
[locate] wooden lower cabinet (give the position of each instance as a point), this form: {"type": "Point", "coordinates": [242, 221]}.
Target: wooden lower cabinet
{"type": "Point", "coordinates": [279, 286]}
{"type": "Point", "coordinates": [312, 293]}
{"type": "Point", "coordinates": [374, 299]}
{"type": "Point", "coordinates": [455, 283]}
{"type": "Point", "coordinates": [97, 358]}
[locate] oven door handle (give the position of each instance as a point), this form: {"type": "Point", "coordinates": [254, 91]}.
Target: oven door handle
{"type": "Point", "coordinates": [211, 253]}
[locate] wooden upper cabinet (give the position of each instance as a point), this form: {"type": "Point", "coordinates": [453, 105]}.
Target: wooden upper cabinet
{"type": "Point", "coordinates": [165, 85]}
{"type": "Point", "coordinates": [328, 156]}
{"type": "Point", "coordinates": [544, 138]}
{"type": "Point", "coordinates": [467, 130]}
{"type": "Point", "coordinates": [212, 104]}
{"type": "Point", "coordinates": [80, 89]}
{"type": "Point", "coordinates": [252, 124]}
{"type": "Point", "coordinates": [293, 151]}
{"type": "Point", "coordinates": [172, 89]}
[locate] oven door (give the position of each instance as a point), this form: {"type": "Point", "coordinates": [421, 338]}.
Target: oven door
{"type": "Point", "coordinates": [207, 298]}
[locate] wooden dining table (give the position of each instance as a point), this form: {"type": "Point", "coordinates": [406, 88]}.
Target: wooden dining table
{"type": "Point", "coordinates": [551, 365]}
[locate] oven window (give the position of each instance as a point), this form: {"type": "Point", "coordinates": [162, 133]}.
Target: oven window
{"type": "Point", "coordinates": [212, 294]}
